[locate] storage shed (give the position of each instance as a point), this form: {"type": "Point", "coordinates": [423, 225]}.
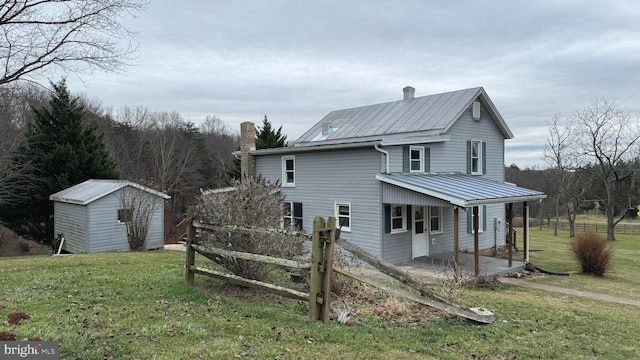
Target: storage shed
{"type": "Point", "coordinates": [93, 215]}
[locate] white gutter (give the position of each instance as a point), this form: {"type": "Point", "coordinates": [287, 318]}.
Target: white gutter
{"type": "Point", "coordinates": [386, 157]}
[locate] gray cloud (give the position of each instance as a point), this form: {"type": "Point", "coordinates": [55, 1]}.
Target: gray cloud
{"type": "Point", "coordinates": [298, 60]}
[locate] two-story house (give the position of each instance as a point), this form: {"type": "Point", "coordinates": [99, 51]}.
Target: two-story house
{"type": "Point", "coordinates": [403, 178]}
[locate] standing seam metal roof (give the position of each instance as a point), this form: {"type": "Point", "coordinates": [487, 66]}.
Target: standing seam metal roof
{"type": "Point", "coordinates": [432, 112]}
{"type": "Point", "coordinates": [462, 190]}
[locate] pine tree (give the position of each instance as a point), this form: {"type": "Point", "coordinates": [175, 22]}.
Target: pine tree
{"type": "Point", "coordinates": [62, 152]}
{"type": "Point", "coordinates": [267, 138]}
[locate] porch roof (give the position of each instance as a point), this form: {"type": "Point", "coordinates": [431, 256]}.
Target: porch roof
{"type": "Point", "coordinates": [462, 190]}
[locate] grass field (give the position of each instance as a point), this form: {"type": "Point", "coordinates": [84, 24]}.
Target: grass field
{"type": "Point", "coordinates": [623, 279]}
{"type": "Point", "coordinates": [136, 306]}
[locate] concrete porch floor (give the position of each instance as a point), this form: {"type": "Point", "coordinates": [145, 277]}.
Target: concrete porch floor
{"type": "Point", "coordinates": [434, 269]}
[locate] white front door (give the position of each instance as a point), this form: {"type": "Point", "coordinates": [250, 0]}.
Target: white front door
{"type": "Point", "coordinates": [420, 245]}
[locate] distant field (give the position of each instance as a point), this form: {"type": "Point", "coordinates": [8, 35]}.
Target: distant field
{"type": "Point", "coordinates": [136, 306]}
{"type": "Point", "coordinates": [594, 223]}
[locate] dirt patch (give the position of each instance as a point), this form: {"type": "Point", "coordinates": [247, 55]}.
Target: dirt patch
{"type": "Point", "coordinates": [13, 245]}
{"type": "Point", "coordinates": [16, 318]}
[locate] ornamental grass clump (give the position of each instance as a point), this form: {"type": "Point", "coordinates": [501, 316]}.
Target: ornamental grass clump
{"type": "Point", "coordinates": [593, 252]}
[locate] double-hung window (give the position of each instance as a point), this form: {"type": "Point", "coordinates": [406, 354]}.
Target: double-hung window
{"type": "Point", "coordinates": [435, 219]}
{"type": "Point", "coordinates": [288, 171]}
{"type": "Point", "coordinates": [482, 219]}
{"type": "Point", "coordinates": [416, 159]}
{"type": "Point", "coordinates": [343, 215]}
{"type": "Point", "coordinates": [292, 217]}
{"type": "Point", "coordinates": [476, 157]}
{"type": "Point", "coordinates": [398, 218]}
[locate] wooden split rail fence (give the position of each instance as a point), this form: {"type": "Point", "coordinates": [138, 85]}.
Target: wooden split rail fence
{"type": "Point", "coordinates": [319, 296]}
{"type": "Point", "coordinates": [325, 237]}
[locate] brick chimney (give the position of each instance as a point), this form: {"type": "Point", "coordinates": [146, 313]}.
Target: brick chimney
{"type": "Point", "coordinates": [247, 143]}
{"type": "Point", "coordinates": [409, 92]}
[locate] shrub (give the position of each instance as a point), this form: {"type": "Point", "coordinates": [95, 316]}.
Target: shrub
{"type": "Point", "coordinates": [254, 206]}
{"type": "Point", "coordinates": [593, 252]}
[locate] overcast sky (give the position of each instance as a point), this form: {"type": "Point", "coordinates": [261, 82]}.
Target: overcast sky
{"type": "Point", "coordinates": [298, 60]}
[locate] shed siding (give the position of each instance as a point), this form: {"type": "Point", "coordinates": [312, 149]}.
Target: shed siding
{"type": "Point", "coordinates": [328, 177]}
{"type": "Point", "coordinates": [71, 220]}
{"type": "Point", "coordinates": [107, 234]}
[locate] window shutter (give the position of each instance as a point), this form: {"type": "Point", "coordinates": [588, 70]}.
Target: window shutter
{"type": "Point", "coordinates": [484, 217]}
{"type": "Point", "coordinates": [468, 157]}
{"type": "Point", "coordinates": [409, 217]}
{"type": "Point", "coordinates": [484, 158]}
{"type": "Point", "coordinates": [387, 219]}
{"type": "Point", "coordinates": [469, 220]}
{"type": "Point", "coordinates": [427, 160]}
{"type": "Point", "coordinates": [406, 157]}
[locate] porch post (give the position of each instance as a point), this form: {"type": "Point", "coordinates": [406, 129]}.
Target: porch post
{"type": "Point", "coordinates": [525, 232]}
{"type": "Point", "coordinates": [455, 236]}
{"type": "Point", "coordinates": [510, 235]}
{"type": "Point", "coordinates": [476, 242]}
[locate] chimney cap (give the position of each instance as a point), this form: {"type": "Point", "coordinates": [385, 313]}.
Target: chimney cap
{"type": "Point", "coordinates": [408, 92]}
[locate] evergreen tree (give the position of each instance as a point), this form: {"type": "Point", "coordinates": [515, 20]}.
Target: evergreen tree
{"type": "Point", "coordinates": [267, 138]}
{"type": "Point", "coordinates": [62, 152]}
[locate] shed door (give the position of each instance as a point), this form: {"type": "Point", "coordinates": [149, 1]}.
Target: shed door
{"type": "Point", "coordinates": [420, 245]}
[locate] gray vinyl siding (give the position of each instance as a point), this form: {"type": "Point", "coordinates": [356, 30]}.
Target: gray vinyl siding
{"type": "Point", "coordinates": [392, 194]}
{"type": "Point", "coordinates": [95, 228]}
{"type": "Point", "coordinates": [71, 220]}
{"type": "Point", "coordinates": [451, 156]}
{"type": "Point", "coordinates": [325, 178]}
{"type": "Point", "coordinates": [487, 238]}
{"type": "Point", "coordinates": [107, 234]}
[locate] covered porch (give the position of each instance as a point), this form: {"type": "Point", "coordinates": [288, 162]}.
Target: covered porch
{"type": "Point", "coordinates": [468, 194]}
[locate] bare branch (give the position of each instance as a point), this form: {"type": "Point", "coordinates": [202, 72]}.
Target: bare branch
{"type": "Point", "coordinates": [72, 35]}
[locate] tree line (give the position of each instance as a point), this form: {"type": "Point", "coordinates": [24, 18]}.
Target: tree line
{"type": "Point", "coordinates": [52, 140]}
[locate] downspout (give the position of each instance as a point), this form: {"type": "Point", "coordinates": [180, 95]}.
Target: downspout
{"type": "Point", "coordinates": [386, 158]}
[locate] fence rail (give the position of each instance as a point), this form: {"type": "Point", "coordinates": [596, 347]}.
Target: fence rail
{"type": "Point", "coordinates": [324, 235]}
{"type": "Point", "coordinates": [623, 228]}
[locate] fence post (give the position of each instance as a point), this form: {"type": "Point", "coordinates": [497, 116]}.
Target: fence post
{"type": "Point", "coordinates": [324, 235]}
{"type": "Point", "coordinates": [191, 254]}
{"type": "Point", "coordinates": [315, 283]}
{"type": "Point", "coordinates": [328, 243]}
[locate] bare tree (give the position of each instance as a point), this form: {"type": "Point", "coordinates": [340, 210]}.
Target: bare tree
{"type": "Point", "coordinates": [15, 176]}
{"type": "Point", "coordinates": [561, 156]}
{"type": "Point", "coordinates": [607, 136]}
{"type": "Point", "coordinates": [136, 210]}
{"type": "Point", "coordinates": [39, 36]}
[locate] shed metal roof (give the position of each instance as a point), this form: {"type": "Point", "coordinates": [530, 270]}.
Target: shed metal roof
{"type": "Point", "coordinates": [433, 114]}
{"type": "Point", "coordinates": [462, 190]}
{"type": "Point", "coordinates": [92, 190]}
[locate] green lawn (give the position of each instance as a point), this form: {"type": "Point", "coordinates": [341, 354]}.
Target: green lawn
{"type": "Point", "coordinates": [623, 279]}
{"type": "Point", "coordinates": [136, 306]}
